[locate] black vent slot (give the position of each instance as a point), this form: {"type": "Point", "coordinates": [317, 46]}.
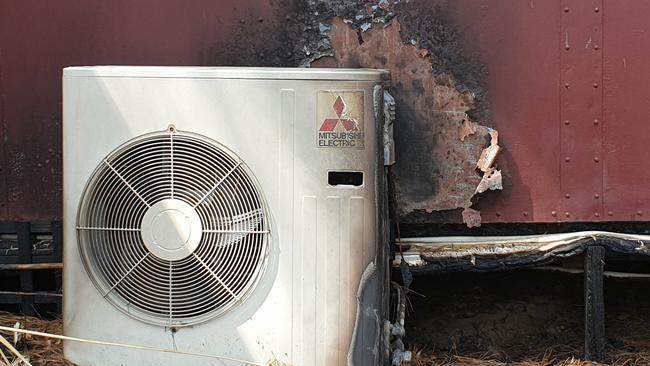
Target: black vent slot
{"type": "Point", "coordinates": [345, 178]}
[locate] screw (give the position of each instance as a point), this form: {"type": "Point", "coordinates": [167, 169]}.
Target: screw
{"type": "Point", "coordinates": [567, 159]}
{"type": "Point", "coordinates": [567, 214]}
{"type": "Point", "coordinates": [566, 122]}
{"type": "Point", "coordinates": [596, 159]}
{"type": "Point", "coordinates": [596, 10]}
{"type": "Point", "coordinates": [595, 85]}
{"type": "Point", "coordinates": [553, 213]}
{"type": "Point", "coordinates": [567, 47]}
{"type": "Point", "coordinates": [596, 121]}
{"type": "Point", "coordinates": [566, 9]}
{"type": "Point", "coordinates": [640, 213]}
{"type": "Point", "coordinates": [566, 85]}
{"type": "Point", "coordinates": [596, 214]}
{"type": "Point", "coordinates": [610, 213]}
{"type": "Point", "coordinates": [596, 47]}
{"type": "Point", "coordinates": [596, 196]}
{"type": "Point", "coordinates": [567, 196]}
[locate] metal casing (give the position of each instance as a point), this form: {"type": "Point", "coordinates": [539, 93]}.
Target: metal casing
{"type": "Point", "coordinates": [303, 311]}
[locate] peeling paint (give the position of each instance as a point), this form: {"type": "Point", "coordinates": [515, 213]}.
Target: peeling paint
{"type": "Point", "coordinates": [489, 154]}
{"type": "Point", "coordinates": [438, 146]}
{"type": "Point", "coordinates": [466, 128]}
{"type": "Point", "coordinates": [471, 217]}
{"type": "Point", "coordinates": [441, 104]}
{"type": "Point", "coordinates": [492, 180]}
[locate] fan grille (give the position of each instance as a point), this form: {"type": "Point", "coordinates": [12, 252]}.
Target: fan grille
{"type": "Point", "coordinates": [173, 229]}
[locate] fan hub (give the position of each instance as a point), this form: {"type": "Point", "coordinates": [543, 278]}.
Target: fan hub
{"type": "Point", "coordinates": [171, 229]}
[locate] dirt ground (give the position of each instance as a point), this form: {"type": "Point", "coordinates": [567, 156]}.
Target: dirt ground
{"type": "Point", "coordinates": [524, 315]}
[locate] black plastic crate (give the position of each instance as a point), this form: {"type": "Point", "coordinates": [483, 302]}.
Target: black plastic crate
{"type": "Point", "coordinates": [30, 266]}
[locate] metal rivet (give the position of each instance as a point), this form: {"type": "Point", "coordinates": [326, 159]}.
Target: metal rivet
{"type": "Point", "coordinates": [595, 85]}
{"type": "Point", "coordinates": [640, 213]}
{"type": "Point", "coordinates": [596, 159]}
{"type": "Point", "coordinates": [553, 213]}
{"type": "Point", "coordinates": [610, 213]}
{"type": "Point", "coordinates": [566, 9]}
{"type": "Point", "coordinates": [566, 85]}
{"type": "Point", "coordinates": [567, 159]}
{"type": "Point", "coordinates": [596, 121]}
{"type": "Point", "coordinates": [596, 214]}
{"type": "Point", "coordinates": [498, 214]}
{"type": "Point", "coordinates": [596, 196]}
{"type": "Point", "coordinates": [567, 196]}
{"type": "Point", "coordinates": [525, 213]}
{"type": "Point", "coordinates": [566, 122]}
{"type": "Point", "coordinates": [596, 47]}
{"type": "Point", "coordinates": [567, 214]}
{"type": "Point", "coordinates": [596, 10]}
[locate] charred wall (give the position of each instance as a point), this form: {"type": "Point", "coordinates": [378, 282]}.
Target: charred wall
{"type": "Point", "coordinates": [439, 89]}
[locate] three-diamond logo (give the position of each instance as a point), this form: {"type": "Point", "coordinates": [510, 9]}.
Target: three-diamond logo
{"type": "Point", "coordinates": [340, 119]}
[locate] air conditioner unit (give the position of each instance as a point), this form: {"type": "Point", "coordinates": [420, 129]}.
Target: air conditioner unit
{"type": "Point", "coordinates": [233, 212]}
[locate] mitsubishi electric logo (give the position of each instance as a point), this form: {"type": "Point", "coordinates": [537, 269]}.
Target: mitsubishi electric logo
{"type": "Point", "coordinates": [340, 119]}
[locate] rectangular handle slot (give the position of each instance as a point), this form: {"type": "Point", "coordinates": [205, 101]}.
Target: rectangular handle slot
{"type": "Point", "coordinates": [345, 178]}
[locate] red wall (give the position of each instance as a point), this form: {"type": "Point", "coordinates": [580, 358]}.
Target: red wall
{"type": "Point", "coordinates": [567, 86]}
{"type": "Point", "coordinates": [592, 168]}
{"type": "Point", "coordinates": [38, 38]}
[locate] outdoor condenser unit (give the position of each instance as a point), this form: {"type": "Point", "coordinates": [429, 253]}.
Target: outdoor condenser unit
{"type": "Point", "coordinates": [234, 212]}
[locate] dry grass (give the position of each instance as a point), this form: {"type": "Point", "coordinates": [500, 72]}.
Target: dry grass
{"type": "Point", "coordinates": [563, 355]}
{"type": "Point", "coordinates": [39, 350]}
{"type": "Point", "coordinates": [43, 351]}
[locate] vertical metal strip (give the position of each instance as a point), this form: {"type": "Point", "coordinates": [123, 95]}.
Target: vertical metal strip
{"type": "Point", "coordinates": [601, 125]}
{"type": "Point", "coordinates": [287, 119]}
{"type": "Point", "coordinates": [357, 259]}
{"type": "Point", "coordinates": [309, 260]}
{"type": "Point", "coordinates": [347, 305]}
{"type": "Point", "coordinates": [581, 108]}
{"type": "Point", "coordinates": [332, 282]}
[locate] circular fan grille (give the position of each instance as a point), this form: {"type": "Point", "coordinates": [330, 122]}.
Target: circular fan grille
{"type": "Point", "coordinates": [173, 228]}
